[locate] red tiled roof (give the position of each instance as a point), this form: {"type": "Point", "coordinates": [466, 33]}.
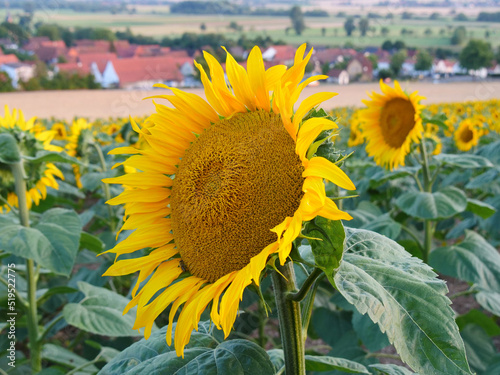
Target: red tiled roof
{"type": "Point", "coordinates": [335, 73]}
{"type": "Point", "coordinates": [178, 54]}
{"type": "Point", "coordinates": [8, 59]}
{"type": "Point", "coordinates": [383, 54]}
{"type": "Point", "coordinates": [92, 46]}
{"type": "Point", "coordinates": [101, 59]}
{"type": "Point", "coordinates": [328, 55]}
{"type": "Point", "coordinates": [449, 63]}
{"type": "Point", "coordinates": [121, 44]}
{"type": "Point", "coordinates": [284, 53]}
{"type": "Point", "coordinates": [47, 53]}
{"type": "Point", "coordinates": [73, 68]}
{"type": "Point", "coordinates": [35, 43]}
{"type": "Point", "coordinates": [53, 43]}
{"type": "Point", "coordinates": [157, 68]}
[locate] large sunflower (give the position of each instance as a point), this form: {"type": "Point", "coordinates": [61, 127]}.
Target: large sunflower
{"type": "Point", "coordinates": [467, 135]}
{"type": "Point", "coordinates": [224, 186]}
{"type": "Point", "coordinates": [31, 138]}
{"type": "Point", "coordinates": [391, 123]}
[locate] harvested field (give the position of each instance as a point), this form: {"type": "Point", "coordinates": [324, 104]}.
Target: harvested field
{"type": "Point", "coordinates": [119, 103]}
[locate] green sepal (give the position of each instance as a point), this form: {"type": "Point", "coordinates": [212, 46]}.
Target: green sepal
{"type": "Point", "coordinates": [328, 249]}
{"type": "Point", "coordinates": [9, 152]}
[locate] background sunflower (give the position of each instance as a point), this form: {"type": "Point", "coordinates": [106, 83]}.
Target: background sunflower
{"type": "Point", "coordinates": [467, 135]}
{"type": "Point", "coordinates": [31, 138]}
{"type": "Point", "coordinates": [391, 123]}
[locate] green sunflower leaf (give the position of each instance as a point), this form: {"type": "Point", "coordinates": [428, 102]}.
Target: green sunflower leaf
{"type": "Point", "coordinates": [371, 336]}
{"type": "Point", "coordinates": [381, 176]}
{"type": "Point", "coordinates": [441, 204]}
{"type": "Point", "coordinates": [91, 242]}
{"type": "Point", "coordinates": [464, 160]}
{"type": "Point", "coordinates": [325, 363]}
{"type": "Point", "coordinates": [438, 119]}
{"type": "Point", "coordinates": [203, 355]}
{"type": "Point", "coordinates": [92, 180]}
{"type": "Point", "coordinates": [101, 312]}
{"type": "Point", "coordinates": [368, 216]}
{"type": "Point", "coordinates": [480, 348]}
{"type": "Point", "coordinates": [277, 358]}
{"type": "Point", "coordinates": [52, 243]}
{"type": "Point", "coordinates": [320, 363]}
{"type": "Point", "coordinates": [9, 152]}
{"type": "Point", "coordinates": [405, 298]}
{"type": "Point", "coordinates": [488, 323]}
{"type": "Point", "coordinates": [484, 210]}
{"type": "Point", "coordinates": [484, 179]}
{"type": "Point", "coordinates": [489, 300]}
{"type": "Point", "coordinates": [52, 157]}
{"type": "Point", "coordinates": [327, 244]}
{"type": "Point", "coordinates": [65, 357]}
{"type": "Point", "coordinates": [390, 369]}
{"type": "Point", "coordinates": [473, 260]}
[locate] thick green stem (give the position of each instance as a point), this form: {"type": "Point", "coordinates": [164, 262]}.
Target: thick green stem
{"type": "Point", "coordinates": [426, 170]}
{"type": "Point", "coordinates": [307, 306]}
{"type": "Point", "coordinates": [300, 295]}
{"type": "Point", "coordinates": [35, 352]}
{"type": "Point", "coordinates": [429, 234]}
{"type": "Point", "coordinates": [290, 320]}
{"type": "Point", "coordinates": [428, 181]}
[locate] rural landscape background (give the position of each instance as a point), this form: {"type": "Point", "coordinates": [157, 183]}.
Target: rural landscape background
{"type": "Point", "coordinates": [76, 81]}
{"type": "Point", "coordinates": [70, 36]}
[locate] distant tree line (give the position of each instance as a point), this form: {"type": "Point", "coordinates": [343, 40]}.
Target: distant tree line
{"type": "Point", "coordinates": [30, 6]}
{"type": "Point", "coordinates": [61, 81]}
{"type": "Point", "coordinates": [489, 17]}
{"type": "Point", "coordinates": [193, 42]}
{"type": "Point", "coordinates": [226, 8]}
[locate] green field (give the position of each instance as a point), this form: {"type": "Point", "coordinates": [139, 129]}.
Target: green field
{"type": "Point", "coordinates": [157, 22]}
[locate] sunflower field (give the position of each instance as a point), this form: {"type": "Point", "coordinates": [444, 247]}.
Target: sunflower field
{"type": "Point", "coordinates": [251, 234]}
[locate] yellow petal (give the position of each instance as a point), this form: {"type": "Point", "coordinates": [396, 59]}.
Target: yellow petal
{"type": "Point", "coordinates": [238, 78]}
{"type": "Point", "coordinates": [310, 102]}
{"type": "Point", "coordinates": [257, 75]}
{"type": "Point", "coordinates": [128, 266]}
{"type": "Point", "coordinates": [309, 131]}
{"type": "Point", "coordinates": [332, 212]}
{"type": "Point", "coordinates": [144, 180]}
{"type": "Point", "coordinates": [211, 94]}
{"type": "Point", "coordinates": [140, 195]}
{"type": "Point", "coordinates": [321, 167]}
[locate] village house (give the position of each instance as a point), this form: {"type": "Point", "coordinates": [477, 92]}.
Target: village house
{"type": "Point", "coordinates": [280, 55]}
{"type": "Point", "coordinates": [18, 72]}
{"type": "Point", "coordinates": [338, 76]}
{"type": "Point", "coordinates": [144, 72]}
{"type": "Point", "coordinates": [447, 67]}
{"type": "Point", "coordinates": [408, 68]}
{"type": "Point", "coordinates": [494, 70]}
{"type": "Point", "coordinates": [360, 69]}
{"type": "Point", "coordinates": [7, 59]}
{"type": "Point", "coordinates": [332, 56]}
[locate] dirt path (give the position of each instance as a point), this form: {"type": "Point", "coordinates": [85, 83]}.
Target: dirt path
{"type": "Point", "coordinates": [120, 103]}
